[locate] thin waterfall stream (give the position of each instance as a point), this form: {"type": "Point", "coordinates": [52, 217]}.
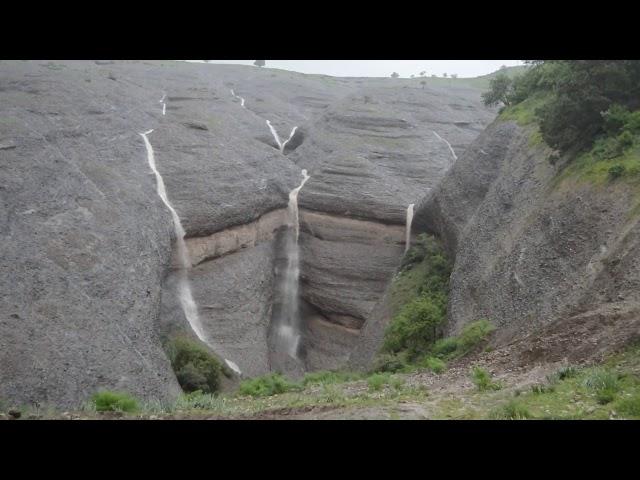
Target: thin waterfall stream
{"type": "Point", "coordinates": [288, 323]}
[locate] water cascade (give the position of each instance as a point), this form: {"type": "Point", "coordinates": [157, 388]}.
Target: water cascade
{"type": "Point", "coordinates": [233, 94]}
{"type": "Point", "coordinates": [455, 157]}
{"type": "Point", "coordinates": [164, 105]}
{"type": "Point", "coordinates": [277, 137]}
{"type": "Point", "coordinates": [288, 323]}
{"type": "Point", "coordinates": [189, 306]}
{"type": "Point", "coordinates": [407, 242]}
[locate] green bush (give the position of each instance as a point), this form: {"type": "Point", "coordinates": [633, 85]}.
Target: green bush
{"type": "Point", "coordinates": [434, 364]}
{"type": "Point", "coordinates": [391, 363]}
{"type": "Point", "coordinates": [470, 337]}
{"type": "Point", "coordinates": [629, 407]}
{"type": "Point", "coordinates": [616, 171]}
{"type": "Point", "coordinates": [604, 383]}
{"type": "Point", "coordinates": [107, 401]}
{"type": "Point", "coordinates": [473, 334]}
{"type": "Point", "coordinates": [513, 410]}
{"type": "Point", "coordinates": [378, 380]}
{"type": "Point", "coordinates": [563, 373]}
{"type": "Point", "coordinates": [482, 380]}
{"type": "Point", "coordinates": [445, 347]}
{"type": "Point", "coordinates": [414, 329]}
{"type": "Point", "coordinates": [267, 385]}
{"type": "Point", "coordinates": [196, 368]}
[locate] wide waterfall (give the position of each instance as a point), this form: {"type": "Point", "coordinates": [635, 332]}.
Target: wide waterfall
{"type": "Point", "coordinates": [288, 323]}
{"type": "Point", "coordinates": [184, 289]}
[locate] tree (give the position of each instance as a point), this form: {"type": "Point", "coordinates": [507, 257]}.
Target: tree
{"type": "Point", "coordinates": [413, 76]}
{"type": "Point", "coordinates": [433, 75]}
{"type": "Point", "coordinates": [444, 74]}
{"type": "Point", "coordinates": [423, 83]}
{"type": "Point", "coordinates": [259, 63]}
{"type": "Point", "coordinates": [423, 73]}
{"type": "Point", "coordinates": [454, 75]}
{"type": "Point", "coordinates": [499, 90]}
{"type": "Point", "coordinates": [395, 75]}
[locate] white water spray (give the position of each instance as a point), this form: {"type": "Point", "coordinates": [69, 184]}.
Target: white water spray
{"type": "Point", "coordinates": [455, 157]}
{"type": "Point", "coordinates": [277, 137]}
{"type": "Point", "coordinates": [288, 324]}
{"type": "Point", "coordinates": [293, 131]}
{"type": "Point", "coordinates": [164, 105]}
{"type": "Point", "coordinates": [407, 242]}
{"type": "Point", "coordinates": [233, 94]}
{"type": "Point", "coordinates": [184, 289]}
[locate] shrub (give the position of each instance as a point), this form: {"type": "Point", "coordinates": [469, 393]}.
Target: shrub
{"type": "Point", "coordinates": [107, 401]}
{"type": "Point", "coordinates": [434, 364]}
{"type": "Point", "coordinates": [378, 380]}
{"type": "Point", "coordinates": [616, 171]}
{"type": "Point", "coordinates": [604, 383]}
{"type": "Point", "coordinates": [482, 380]}
{"type": "Point", "coordinates": [630, 406]}
{"type": "Point", "coordinates": [512, 410]}
{"type": "Point", "coordinates": [196, 368]}
{"type": "Point", "coordinates": [562, 374]}
{"type": "Point", "coordinates": [390, 363]}
{"type": "Point", "coordinates": [473, 334]}
{"type": "Point", "coordinates": [267, 385]}
{"type": "Point", "coordinates": [414, 329]}
{"type": "Point", "coordinates": [445, 347]}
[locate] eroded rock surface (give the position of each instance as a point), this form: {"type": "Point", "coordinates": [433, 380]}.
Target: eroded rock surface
{"type": "Point", "coordinates": [87, 285]}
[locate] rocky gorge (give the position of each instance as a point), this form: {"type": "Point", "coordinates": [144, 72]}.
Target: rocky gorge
{"type": "Point", "coordinates": [91, 267]}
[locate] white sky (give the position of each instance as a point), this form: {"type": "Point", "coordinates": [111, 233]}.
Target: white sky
{"type": "Point", "coordinates": [384, 68]}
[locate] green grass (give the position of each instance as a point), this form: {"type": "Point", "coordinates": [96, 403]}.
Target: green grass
{"type": "Point", "coordinates": [471, 336]}
{"type": "Point", "coordinates": [512, 410]}
{"type": "Point", "coordinates": [108, 401]}
{"type": "Point", "coordinates": [377, 381]}
{"type": "Point", "coordinates": [434, 364]}
{"type": "Point", "coordinates": [267, 385]}
{"type": "Point", "coordinates": [326, 377]}
{"type": "Point", "coordinates": [629, 407]}
{"type": "Point", "coordinates": [604, 383]}
{"type": "Point", "coordinates": [482, 380]}
{"type": "Point", "coordinates": [523, 113]}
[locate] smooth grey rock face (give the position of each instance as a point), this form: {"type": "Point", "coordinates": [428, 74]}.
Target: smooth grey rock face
{"type": "Point", "coordinates": [85, 274]}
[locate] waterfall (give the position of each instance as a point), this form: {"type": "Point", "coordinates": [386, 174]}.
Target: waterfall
{"type": "Point", "coordinates": [277, 137]}
{"type": "Point", "coordinates": [288, 324]}
{"type": "Point", "coordinates": [233, 94]}
{"type": "Point", "coordinates": [293, 131]}
{"type": "Point", "coordinates": [455, 157]}
{"type": "Point", "coordinates": [407, 242]}
{"type": "Point", "coordinates": [184, 289]}
{"type": "Point", "coordinates": [164, 105]}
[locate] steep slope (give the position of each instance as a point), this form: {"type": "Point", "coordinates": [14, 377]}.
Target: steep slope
{"type": "Point", "coordinates": [88, 279]}
{"type": "Point", "coordinates": [533, 248]}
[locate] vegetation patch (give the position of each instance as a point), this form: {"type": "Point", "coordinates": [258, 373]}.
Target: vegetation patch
{"type": "Point", "coordinates": [326, 377]}
{"type": "Point", "coordinates": [483, 381]}
{"type": "Point", "coordinates": [267, 385]}
{"type": "Point", "coordinates": [107, 401]}
{"type": "Point", "coordinates": [196, 368]}
{"type": "Point", "coordinates": [512, 410]}
{"type": "Point", "coordinates": [425, 292]}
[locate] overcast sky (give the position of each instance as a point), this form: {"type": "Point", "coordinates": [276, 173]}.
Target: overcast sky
{"type": "Point", "coordinates": [384, 68]}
